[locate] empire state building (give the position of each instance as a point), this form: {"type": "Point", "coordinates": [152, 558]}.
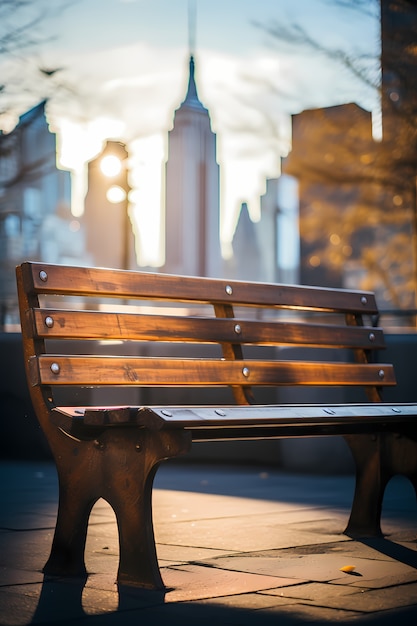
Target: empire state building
{"type": "Point", "coordinates": [192, 219]}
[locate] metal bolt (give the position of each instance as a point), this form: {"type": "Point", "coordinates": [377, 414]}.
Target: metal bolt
{"type": "Point", "coordinates": [364, 300]}
{"type": "Point", "coordinates": [220, 412]}
{"type": "Point", "coordinates": [245, 372]}
{"type": "Point", "coordinates": [371, 337]}
{"type": "Point", "coordinates": [49, 322]}
{"type": "Point", "coordinates": [166, 413]}
{"type": "Point", "coordinates": [138, 447]}
{"type": "Point", "coordinates": [238, 329]}
{"type": "Point", "coordinates": [228, 290]}
{"type": "Point", "coordinates": [55, 369]}
{"type": "Point", "coordinates": [43, 276]}
{"type": "Point", "coordinates": [381, 374]}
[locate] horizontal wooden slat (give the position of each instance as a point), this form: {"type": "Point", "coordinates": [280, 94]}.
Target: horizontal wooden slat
{"type": "Point", "coordinates": [82, 281]}
{"type": "Point", "coordinates": [147, 371]}
{"type": "Point", "coordinates": [54, 323]}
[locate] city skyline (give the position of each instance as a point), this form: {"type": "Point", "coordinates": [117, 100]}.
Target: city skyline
{"type": "Point", "coordinates": [131, 76]}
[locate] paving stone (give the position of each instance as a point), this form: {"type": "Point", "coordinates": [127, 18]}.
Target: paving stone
{"type": "Point", "coordinates": [26, 549]}
{"type": "Point", "coordinates": [194, 582]}
{"type": "Point", "coordinates": [324, 525]}
{"type": "Point", "coordinates": [196, 613]}
{"type": "Point", "coordinates": [181, 506]}
{"type": "Point", "coordinates": [258, 600]}
{"type": "Point", "coordinates": [250, 533]}
{"type": "Point", "coordinates": [316, 592]}
{"type": "Point", "coordinates": [308, 614]}
{"type": "Point", "coordinates": [18, 609]}
{"type": "Point", "coordinates": [96, 601]}
{"type": "Point", "coordinates": [323, 567]}
{"type": "Point", "coordinates": [365, 601]}
{"type": "Point", "coordinates": [400, 578]}
{"type": "Point", "coordinates": [372, 548]}
{"type": "Point", "coordinates": [171, 555]}
{"type": "Point", "coordinates": [10, 577]}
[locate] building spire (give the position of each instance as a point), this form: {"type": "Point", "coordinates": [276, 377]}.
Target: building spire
{"type": "Point", "coordinates": [191, 26]}
{"type": "Point", "coordinates": [192, 99]}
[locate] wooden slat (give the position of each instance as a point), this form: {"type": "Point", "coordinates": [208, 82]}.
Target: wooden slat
{"type": "Point", "coordinates": [148, 371]}
{"type": "Point", "coordinates": [98, 325]}
{"type": "Point", "coordinates": [81, 281]}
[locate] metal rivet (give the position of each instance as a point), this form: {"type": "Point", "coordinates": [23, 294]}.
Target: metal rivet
{"type": "Point", "coordinates": [381, 374]}
{"type": "Point", "coordinates": [220, 412]}
{"type": "Point", "coordinates": [138, 447]}
{"type": "Point", "coordinates": [245, 372]}
{"type": "Point", "coordinates": [364, 300]}
{"type": "Point", "coordinates": [228, 290]}
{"type": "Point", "coordinates": [43, 276]}
{"type": "Point", "coordinates": [55, 369]}
{"type": "Point", "coordinates": [49, 322]}
{"type": "Point", "coordinates": [166, 413]}
{"type": "Point", "coordinates": [371, 337]}
{"type": "Point", "coordinates": [238, 329]}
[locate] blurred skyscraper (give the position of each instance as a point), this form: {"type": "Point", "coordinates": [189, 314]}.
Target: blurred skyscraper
{"type": "Point", "coordinates": [192, 206]}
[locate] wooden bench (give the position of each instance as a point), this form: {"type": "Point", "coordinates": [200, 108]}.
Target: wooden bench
{"type": "Point", "coordinates": [145, 335]}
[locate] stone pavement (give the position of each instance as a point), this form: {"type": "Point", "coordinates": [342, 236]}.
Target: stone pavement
{"type": "Point", "coordinates": [237, 545]}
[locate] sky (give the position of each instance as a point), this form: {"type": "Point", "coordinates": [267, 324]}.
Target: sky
{"type": "Point", "coordinates": [123, 71]}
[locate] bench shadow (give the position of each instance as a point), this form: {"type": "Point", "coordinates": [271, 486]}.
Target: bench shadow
{"type": "Point", "coordinates": [60, 595]}
{"type": "Point", "coordinates": [391, 549]}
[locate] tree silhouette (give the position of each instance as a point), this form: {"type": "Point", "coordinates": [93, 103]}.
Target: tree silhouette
{"type": "Point", "coordinates": [21, 35]}
{"type": "Point", "coordinates": [358, 211]}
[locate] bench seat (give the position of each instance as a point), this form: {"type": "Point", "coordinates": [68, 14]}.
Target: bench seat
{"type": "Point", "coordinates": [248, 422]}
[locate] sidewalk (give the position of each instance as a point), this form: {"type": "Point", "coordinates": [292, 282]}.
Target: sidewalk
{"type": "Point", "coordinates": [237, 545]}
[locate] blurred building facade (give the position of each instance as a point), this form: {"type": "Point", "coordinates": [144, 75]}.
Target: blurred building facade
{"type": "Point", "coordinates": [35, 219]}
{"type": "Point", "coordinates": [330, 146]}
{"type": "Point", "coordinates": [357, 195]}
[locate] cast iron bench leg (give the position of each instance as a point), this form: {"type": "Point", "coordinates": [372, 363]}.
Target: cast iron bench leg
{"type": "Point", "coordinates": [67, 552]}
{"type": "Point", "coordinates": [119, 467]}
{"type": "Point", "coordinates": [134, 462]}
{"type": "Point", "coordinates": [377, 459]}
{"type": "Point", "coordinates": [371, 480]}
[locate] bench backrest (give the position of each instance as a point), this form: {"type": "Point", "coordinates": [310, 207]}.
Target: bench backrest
{"type": "Point", "coordinates": [137, 317]}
